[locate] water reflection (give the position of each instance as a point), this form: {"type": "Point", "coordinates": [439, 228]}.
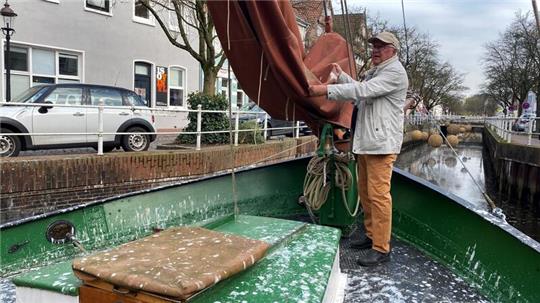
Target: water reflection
{"type": "Point", "coordinates": [441, 167]}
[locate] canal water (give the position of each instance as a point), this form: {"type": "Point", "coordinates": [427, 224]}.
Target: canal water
{"type": "Point", "coordinates": [441, 167]}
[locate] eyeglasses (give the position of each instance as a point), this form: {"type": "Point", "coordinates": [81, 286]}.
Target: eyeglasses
{"type": "Point", "coordinates": [379, 47]}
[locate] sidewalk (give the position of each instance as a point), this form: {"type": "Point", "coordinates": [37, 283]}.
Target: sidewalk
{"type": "Point", "coordinates": [524, 139]}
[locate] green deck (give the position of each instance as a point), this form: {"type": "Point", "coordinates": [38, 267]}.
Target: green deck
{"type": "Point", "coordinates": [297, 247]}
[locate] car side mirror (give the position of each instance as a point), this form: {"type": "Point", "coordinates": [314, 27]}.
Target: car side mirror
{"type": "Point", "coordinates": [44, 109]}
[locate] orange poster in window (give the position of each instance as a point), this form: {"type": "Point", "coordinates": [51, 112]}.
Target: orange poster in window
{"type": "Point", "coordinates": [161, 79]}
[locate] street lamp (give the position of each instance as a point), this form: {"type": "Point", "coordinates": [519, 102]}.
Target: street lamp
{"type": "Point", "coordinates": [9, 17]}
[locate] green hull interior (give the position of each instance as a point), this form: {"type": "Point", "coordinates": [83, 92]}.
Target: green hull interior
{"type": "Point", "coordinates": [503, 263]}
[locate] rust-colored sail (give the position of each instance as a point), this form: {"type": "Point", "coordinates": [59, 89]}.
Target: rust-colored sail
{"type": "Point", "coordinates": [266, 32]}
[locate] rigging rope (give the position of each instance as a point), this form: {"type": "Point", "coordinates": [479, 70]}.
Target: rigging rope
{"type": "Point", "coordinates": [231, 147]}
{"type": "Point", "coordinates": [494, 209]}
{"type": "Point", "coordinates": [317, 187]}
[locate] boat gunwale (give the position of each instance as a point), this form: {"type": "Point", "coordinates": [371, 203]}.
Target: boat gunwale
{"type": "Point", "coordinates": [484, 214]}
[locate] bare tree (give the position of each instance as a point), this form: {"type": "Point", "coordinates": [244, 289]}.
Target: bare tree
{"type": "Point", "coordinates": [431, 80]}
{"type": "Point", "coordinates": [480, 104]}
{"type": "Point", "coordinates": [512, 63]}
{"type": "Point", "coordinates": [194, 32]}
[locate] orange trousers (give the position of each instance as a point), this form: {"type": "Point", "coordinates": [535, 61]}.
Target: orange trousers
{"type": "Point", "coordinates": [374, 174]}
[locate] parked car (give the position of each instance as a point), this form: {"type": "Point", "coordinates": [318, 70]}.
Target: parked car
{"type": "Point", "coordinates": [257, 113]}
{"type": "Point", "coordinates": [522, 123]}
{"type": "Point", "coordinates": [55, 120]}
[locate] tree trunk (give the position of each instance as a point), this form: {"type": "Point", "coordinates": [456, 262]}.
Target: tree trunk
{"type": "Point", "coordinates": [209, 82]}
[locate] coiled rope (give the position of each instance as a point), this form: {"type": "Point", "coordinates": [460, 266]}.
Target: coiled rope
{"type": "Point", "coordinates": [316, 187]}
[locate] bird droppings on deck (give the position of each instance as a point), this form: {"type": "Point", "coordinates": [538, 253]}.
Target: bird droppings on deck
{"type": "Point", "coordinates": [410, 276]}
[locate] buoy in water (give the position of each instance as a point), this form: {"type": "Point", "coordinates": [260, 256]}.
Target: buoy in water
{"type": "Point", "coordinates": [453, 129]}
{"type": "Point", "coordinates": [416, 135]}
{"type": "Point", "coordinates": [453, 140]}
{"type": "Point", "coordinates": [425, 136]}
{"type": "Point", "coordinates": [435, 140]}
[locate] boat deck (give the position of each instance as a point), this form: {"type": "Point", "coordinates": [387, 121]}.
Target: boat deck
{"type": "Point", "coordinates": [410, 276]}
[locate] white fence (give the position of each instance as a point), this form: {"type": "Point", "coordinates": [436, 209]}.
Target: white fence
{"type": "Point", "coordinates": [504, 126]}
{"type": "Point", "coordinates": [295, 129]}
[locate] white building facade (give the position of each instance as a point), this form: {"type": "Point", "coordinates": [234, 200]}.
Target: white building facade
{"type": "Point", "coordinates": [108, 42]}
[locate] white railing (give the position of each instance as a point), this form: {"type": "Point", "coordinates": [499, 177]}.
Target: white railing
{"type": "Point", "coordinates": [506, 127]}
{"type": "Point", "coordinates": [419, 119]}
{"type": "Point", "coordinates": [199, 133]}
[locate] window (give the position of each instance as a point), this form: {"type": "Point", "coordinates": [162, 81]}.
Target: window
{"type": "Point", "coordinates": [18, 57]}
{"type": "Point", "coordinates": [43, 62]}
{"type": "Point", "coordinates": [134, 99]}
{"type": "Point", "coordinates": [142, 82]}
{"type": "Point", "coordinates": [65, 95]}
{"type": "Point", "coordinates": [173, 18]}
{"type": "Point", "coordinates": [141, 11]}
{"type": "Point", "coordinates": [141, 14]}
{"type": "Point", "coordinates": [19, 84]}
{"type": "Point", "coordinates": [99, 5]}
{"type": "Point", "coordinates": [68, 65]}
{"type": "Point", "coordinates": [239, 98]}
{"type": "Point", "coordinates": [42, 80]}
{"type": "Point", "coordinates": [224, 85]}
{"type": "Point", "coordinates": [107, 96]}
{"type": "Point", "coordinates": [37, 65]}
{"type": "Point", "coordinates": [176, 87]}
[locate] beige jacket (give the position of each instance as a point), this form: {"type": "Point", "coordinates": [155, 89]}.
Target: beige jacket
{"type": "Point", "coordinates": [380, 100]}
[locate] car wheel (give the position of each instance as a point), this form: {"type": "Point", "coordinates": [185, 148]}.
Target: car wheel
{"type": "Point", "coordinates": [10, 146]}
{"type": "Point", "coordinates": [135, 142]}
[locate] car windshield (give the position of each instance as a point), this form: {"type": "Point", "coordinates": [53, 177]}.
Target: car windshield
{"type": "Point", "coordinates": [251, 107]}
{"type": "Point", "coordinates": [30, 95]}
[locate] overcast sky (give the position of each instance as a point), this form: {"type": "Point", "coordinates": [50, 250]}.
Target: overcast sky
{"type": "Point", "coordinates": [461, 27]}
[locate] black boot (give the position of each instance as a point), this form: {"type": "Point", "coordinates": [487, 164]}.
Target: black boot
{"type": "Point", "coordinates": [363, 243]}
{"type": "Point", "coordinates": [371, 257]}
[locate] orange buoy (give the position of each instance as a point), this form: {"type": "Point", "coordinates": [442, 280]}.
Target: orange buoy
{"type": "Point", "coordinates": [435, 140]}
{"type": "Point", "coordinates": [416, 135]}
{"type": "Point", "coordinates": [453, 140]}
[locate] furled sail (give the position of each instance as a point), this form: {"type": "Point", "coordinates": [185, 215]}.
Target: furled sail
{"type": "Point", "coordinates": [262, 42]}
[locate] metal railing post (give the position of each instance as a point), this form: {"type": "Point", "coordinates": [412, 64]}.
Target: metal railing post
{"type": "Point", "coordinates": [236, 125]}
{"type": "Point", "coordinates": [199, 122]}
{"type": "Point", "coordinates": [509, 130]}
{"type": "Point", "coordinates": [265, 132]}
{"type": "Point", "coordinates": [297, 135]}
{"type": "Point", "coordinates": [530, 131]}
{"type": "Point", "coordinates": [100, 128]}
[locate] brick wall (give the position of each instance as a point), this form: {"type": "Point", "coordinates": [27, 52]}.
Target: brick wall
{"type": "Point", "coordinates": [31, 186]}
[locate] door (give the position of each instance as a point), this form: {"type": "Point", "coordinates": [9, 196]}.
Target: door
{"type": "Point", "coordinates": [143, 81]}
{"type": "Point", "coordinates": [60, 119]}
{"type": "Point", "coordinates": [112, 117]}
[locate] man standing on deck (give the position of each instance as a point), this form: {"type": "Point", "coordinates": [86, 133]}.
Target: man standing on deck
{"type": "Point", "coordinates": [377, 140]}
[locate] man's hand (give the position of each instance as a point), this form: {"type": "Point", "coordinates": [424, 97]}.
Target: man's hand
{"type": "Point", "coordinates": [318, 90]}
{"type": "Point", "coordinates": [336, 69]}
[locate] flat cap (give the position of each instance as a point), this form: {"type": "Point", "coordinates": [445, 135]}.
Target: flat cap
{"type": "Point", "coordinates": [386, 37]}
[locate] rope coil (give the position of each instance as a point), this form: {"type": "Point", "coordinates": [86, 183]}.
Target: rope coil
{"type": "Point", "coordinates": [317, 187]}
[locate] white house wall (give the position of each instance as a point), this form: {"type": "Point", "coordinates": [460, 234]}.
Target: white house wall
{"type": "Point", "coordinates": [109, 44]}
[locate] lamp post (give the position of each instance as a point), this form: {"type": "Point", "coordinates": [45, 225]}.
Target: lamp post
{"type": "Point", "coordinates": [9, 17]}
